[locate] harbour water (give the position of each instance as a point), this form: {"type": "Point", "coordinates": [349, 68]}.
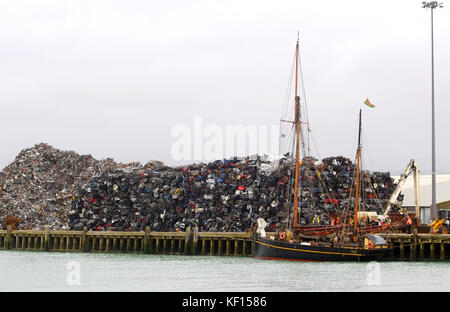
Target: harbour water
{"type": "Point", "coordinates": [53, 271]}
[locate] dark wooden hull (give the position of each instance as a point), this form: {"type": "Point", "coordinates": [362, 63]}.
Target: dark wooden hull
{"type": "Point", "coordinates": [271, 249]}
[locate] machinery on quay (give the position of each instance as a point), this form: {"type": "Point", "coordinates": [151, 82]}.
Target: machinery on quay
{"type": "Point", "coordinates": [412, 167]}
{"type": "Point", "coordinates": [441, 224]}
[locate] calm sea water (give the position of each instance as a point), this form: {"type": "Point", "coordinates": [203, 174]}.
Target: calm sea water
{"type": "Point", "coordinates": [43, 271]}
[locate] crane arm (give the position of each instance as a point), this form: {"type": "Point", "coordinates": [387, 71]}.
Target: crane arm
{"type": "Point", "coordinates": [412, 166]}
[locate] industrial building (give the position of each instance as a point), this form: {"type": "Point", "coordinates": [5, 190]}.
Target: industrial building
{"type": "Point", "coordinates": [442, 194]}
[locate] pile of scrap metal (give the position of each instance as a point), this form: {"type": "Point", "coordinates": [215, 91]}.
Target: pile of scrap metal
{"type": "Point", "coordinates": [37, 187]}
{"type": "Point", "coordinates": [224, 195]}
{"type": "Point", "coordinates": [64, 190]}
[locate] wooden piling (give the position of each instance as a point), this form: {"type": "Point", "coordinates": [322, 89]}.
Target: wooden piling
{"type": "Point", "coordinates": [203, 246]}
{"type": "Point", "coordinates": [187, 239]}
{"type": "Point", "coordinates": [194, 241]}
{"type": "Point", "coordinates": [165, 245]}
{"type": "Point", "coordinates": [171, 245]}
{"type": "Point", "coordinates": [432, 251]}
{"type": "Point", "coordinates": [179, 246]}
{"type": "Point", "coordinates": [219, 247]}
{"type": "Point", "coordinates": [8, 237]}
{"type": "Point", "coordinates": [211, 247]}
{"type": "Point", "coordinates": [146, 240]}
{"type": "Point", "coordinates": [122, 243]}
{"type": "Point", "coordinates": [442, 254]}
{"type": "Point", "coordinates": [413, 248]}
{"type": "Point", "coordinates": [128, 239]}
{"type": "Point", "coordinates": [135, 244]}
{"type": "Point", "coordinates": [114, 246]}
{"type": "Point", "coordinates": [150, 245]}
{"type": "Point", "coordinates": [402, 251]}
{"type": "Point", "coordinates": [83, 246]}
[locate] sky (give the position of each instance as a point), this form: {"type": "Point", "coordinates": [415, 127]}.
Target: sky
{"type": "Point", "coordinates": [115, 78]}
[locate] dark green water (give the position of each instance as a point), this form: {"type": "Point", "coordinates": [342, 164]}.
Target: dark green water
{"type": "Point", "coordinates": [43, 271]}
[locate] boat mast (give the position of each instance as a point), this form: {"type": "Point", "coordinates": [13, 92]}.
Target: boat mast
{"type": "Point", "coordinates": [297, 132]}
{"type": "Point", "coordinates": [358, 157]}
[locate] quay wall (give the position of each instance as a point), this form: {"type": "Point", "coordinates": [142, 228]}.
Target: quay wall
{"type": "Point", "coordinates": [190, 242]}
{"type": "Point", "coordinates": [407, 247]}
{"type": "Point", "coordinates": [416, 247]}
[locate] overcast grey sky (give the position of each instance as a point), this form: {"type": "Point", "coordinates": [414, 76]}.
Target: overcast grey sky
{"type": "Point", "coordinates": [112, 78]}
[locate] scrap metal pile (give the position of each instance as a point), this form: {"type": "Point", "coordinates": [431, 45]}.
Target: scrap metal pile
{"type": "Point", "coordinates": [219, 196]}
{"type": "Point", "coordinates": [38, 186]}
{"type": "Point", "coordinates": [228, 195]}
{"type": "Point", "coordinates": [46, 186]}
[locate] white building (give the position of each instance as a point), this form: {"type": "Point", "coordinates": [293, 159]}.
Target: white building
{"type": "Point", "coordinates": [442, 193]}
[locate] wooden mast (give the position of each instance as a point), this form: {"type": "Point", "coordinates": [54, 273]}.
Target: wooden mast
{"type": "Point", "coordinates": [358, 157]}
{"type": "Point", "coordinates": [297, 132]}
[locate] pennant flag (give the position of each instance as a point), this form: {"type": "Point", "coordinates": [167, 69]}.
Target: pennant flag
{"type": "Point", "coordinates": [368, 103]}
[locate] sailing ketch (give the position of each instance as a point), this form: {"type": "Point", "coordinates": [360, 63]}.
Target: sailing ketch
{"type": "Point", "coordinates": [295, 245]}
